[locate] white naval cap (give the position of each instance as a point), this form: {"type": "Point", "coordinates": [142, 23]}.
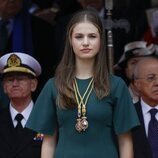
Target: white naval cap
{"type": "Point", "coordinates": [19, 62]}
{"type": "Point", "coordinates": [136, 49]}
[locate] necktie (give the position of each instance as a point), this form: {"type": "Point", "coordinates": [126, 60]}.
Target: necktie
{"type": "Point", "coordinates": [3, 35]}
{"type": "Point", "coordinates": [153, 133]}
{"type": "Point", "coordinates": [19, 126]}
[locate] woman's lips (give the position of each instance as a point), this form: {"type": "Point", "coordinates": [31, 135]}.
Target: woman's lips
{"type": "Point", "coordinates": [86, 50]}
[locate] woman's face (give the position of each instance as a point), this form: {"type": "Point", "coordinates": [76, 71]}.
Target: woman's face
{"type": "Point", "coordinates": [131, 65]}
{"type": "Point", "coordinates": [85, 40]}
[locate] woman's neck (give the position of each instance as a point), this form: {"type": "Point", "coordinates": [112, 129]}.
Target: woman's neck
{"type": "Point", "coordinates": [84, 69]}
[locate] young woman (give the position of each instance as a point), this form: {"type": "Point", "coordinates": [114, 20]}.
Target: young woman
{"type": "Point", "coordinates": [83, 111]}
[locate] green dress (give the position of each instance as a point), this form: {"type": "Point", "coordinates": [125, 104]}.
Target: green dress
{"type": "Point", "coordinates": [107, 118]}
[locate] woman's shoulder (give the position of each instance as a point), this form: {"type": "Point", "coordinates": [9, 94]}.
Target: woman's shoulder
{"type": "Point", "coordinates": [115, 79]}
{"type": "Point", "coordinates": [116, 82]}
{"type": "Point", "coordinates": [49, 88]}
{"type": "Point", "coordinates": [50, 84]}
{"type": "Point", "coordinates": [50, 81]}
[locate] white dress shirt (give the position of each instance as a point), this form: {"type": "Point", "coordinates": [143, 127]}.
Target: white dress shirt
{"type": "Point", "coordinates": [25, 113]}
{"type": "Point", "coordinates": [146, 114]}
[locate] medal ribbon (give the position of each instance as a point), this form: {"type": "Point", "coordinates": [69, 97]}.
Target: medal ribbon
{"type": "Point", "coordinates": [82, 123]}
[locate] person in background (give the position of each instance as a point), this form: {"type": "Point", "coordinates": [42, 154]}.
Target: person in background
{"type": "Point", "coordinates": [133, 53]}
{"type": "Point", "coordinates": [19, 78]}
{"type": "Point", "coordinates": [46, 10]}
{"type": "Point", "coordinates": [23, 32]}
{"type": "Point", "coordinates": [138, 19]}
{"type": "Point", "coordinates": [145, 139]}
{"type": "Point", "coordinates": [151, 33]}
{"type": "Point", "coordinates": [83, 103]}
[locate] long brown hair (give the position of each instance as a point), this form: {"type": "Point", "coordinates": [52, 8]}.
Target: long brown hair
{"type": "Point", "coordinates": [65, 72]}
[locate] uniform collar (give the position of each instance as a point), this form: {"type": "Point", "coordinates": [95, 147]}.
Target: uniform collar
{"type": "Point", "coordinates": [26, 112]}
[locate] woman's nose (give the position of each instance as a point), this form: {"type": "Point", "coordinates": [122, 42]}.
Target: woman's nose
{"type": "Point", "coordinates": [85, 41]}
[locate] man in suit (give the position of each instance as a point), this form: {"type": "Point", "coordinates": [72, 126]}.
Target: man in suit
{"type": "Point", "coordinates": [29, 34]}
{"type": "Point", "coordinates": [19, 78]}
{"type": "Point", "coordinates": [133, 53]}
{"type": "Point", "coordinates": [146, 81]}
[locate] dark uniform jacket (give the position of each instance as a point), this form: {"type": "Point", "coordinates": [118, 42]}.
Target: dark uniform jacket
{"type": "Point", "coordinates": [140, 141]}
{"type": "Point", "coordinates": [28, 145]}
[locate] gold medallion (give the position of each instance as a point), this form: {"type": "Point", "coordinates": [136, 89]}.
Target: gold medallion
{"type": "Point", "coordinates": [84, 123]}
{"type": "Point", "coordinates": [78, 125]}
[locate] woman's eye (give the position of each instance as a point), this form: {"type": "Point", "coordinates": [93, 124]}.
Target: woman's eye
{"type": "Point", "coordinates": [78, 36]}
{"type": "Point", "coordinates": [92, 36]}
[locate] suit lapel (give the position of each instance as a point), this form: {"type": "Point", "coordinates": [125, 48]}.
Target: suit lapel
{"type": "Point", "coordinates": [141, 118]}
{"type": "Point", "coordinates": [142, 139]}
{"type": "Point", "coordinates": [24, 140]}
{"type": "Point", "coordinates": [8, 134]}
{"type": "Point", "coordinates": [7, 128]}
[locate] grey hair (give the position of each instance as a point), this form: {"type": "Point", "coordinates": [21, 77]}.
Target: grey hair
{"type": "Point", "coordinates": [137, 69]}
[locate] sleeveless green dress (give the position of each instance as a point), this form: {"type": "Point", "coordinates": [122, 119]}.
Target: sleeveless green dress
{"type": "Point", "coordinates": [107, 118]}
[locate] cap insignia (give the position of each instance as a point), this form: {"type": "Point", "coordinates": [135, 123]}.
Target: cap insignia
{"type": "Point", "coordinates": [13, 60]}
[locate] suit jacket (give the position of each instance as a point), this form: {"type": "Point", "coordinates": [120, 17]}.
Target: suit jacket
{"type": "Point", "coordinates": [140, 141]}
{"type": "Point", "coordinates": [13, 146]}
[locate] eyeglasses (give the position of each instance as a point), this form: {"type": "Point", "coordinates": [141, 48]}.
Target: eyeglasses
{"type": "Point", "coordinates": [150, 78]}
{"type": "Point", "coordinates": [20, 79]}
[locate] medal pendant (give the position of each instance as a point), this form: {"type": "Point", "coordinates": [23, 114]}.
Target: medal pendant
{"type": "Point", "coordinates": [84, 123]}
{"type": "Point", "coordinates": [78, 125]}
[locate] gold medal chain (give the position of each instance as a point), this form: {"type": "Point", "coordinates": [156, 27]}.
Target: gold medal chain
{"type": "Point", "coordinates": [90, 85]}
{"type": "Point", "coordinates": [82, 123]}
